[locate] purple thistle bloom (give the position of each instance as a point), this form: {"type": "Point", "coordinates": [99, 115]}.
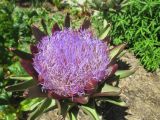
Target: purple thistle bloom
{"type": "Point", "coordinates": [67, 60]}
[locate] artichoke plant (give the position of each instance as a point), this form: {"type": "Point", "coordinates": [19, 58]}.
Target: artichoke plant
{"type": "Point", "coordinates": [69, 70]}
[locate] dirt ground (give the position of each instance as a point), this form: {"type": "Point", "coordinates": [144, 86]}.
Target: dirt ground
{"type": "Point", "coordinates": [141, 91]}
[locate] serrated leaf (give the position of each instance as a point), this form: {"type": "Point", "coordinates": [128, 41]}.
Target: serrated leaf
{"type": "Point", "coordinates": [105, 32]}
{"type": "Point", "coordinates": [30, 104]}
{"type": "Point", "coordinates": [21, 86]}
{"type": "Point", "coordinates": [124, 73]}
{"type": "Point", "coordinates": [40, 109]}
{"type": "Point", "coordinates": [90, 110]}
{"type": "Point", "coordinates": [114, 52]}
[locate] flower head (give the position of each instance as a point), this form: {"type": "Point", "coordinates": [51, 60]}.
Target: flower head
{"type": "Point", "coordinates": [69, 63]}
{"type": "Point", "coordinates": [68, 60]}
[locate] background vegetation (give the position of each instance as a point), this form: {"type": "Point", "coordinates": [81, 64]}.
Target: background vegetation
{"type": "Point", "coordinates": [133, 21]}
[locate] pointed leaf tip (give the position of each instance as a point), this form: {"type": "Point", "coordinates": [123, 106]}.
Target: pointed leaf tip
{"type": "Point", "coordinates": [55, 28]}
{"type": "Point", "coordinates": [114, 52]}
{"type": "Point", "coordinates": [33, 49]}
{"type": "Point", "coordinates": [108, 90]}
{"type": "Point", "coordinates": [86, 24]}
{"type": "Point", "coordinates": [116, 102]}
{"type": "Point", "coordinates": [105, 32]}
{"type": "Point", "coordinates": [67, 21]}
{"type": "Point", "coordinates": [124, 73]}
{"type": "Point", "coordinates": [38, 34]}
{"type": "Point", "coordinates": [107, 40]}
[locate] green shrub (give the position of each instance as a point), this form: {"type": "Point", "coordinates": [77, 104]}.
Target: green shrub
{"type": "Point", "coordinates": [138, 25]}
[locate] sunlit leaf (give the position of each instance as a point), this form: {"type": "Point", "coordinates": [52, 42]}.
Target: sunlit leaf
{"type": "Point", "coordinates": [90, 110]}
{"type": "Point", "coordinates": [124, 73]}
{"type": "Point", "coordinates": [108, 90]}
{"type": "Point", "coordinates": [30, 104]}
{"type": "Point", "coordinates": [40, 109]}
{"type": "Point", "coordinates": [114, 52]}
{"type": "Point", "coordinates": [73, 113]}
{"type": "Point", "coordinates": [20, 78]}
{"type": "Point", "coordinates": [105, 32]}
{"type": "Point", "coordinates": [116, 102]}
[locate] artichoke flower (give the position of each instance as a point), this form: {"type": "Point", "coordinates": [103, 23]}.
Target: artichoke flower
{"type": "Point", "coordinates": [69, 69]}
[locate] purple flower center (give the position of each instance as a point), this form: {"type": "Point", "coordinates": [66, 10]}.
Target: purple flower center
{"type": "Point", "coordinates": [68, 60]}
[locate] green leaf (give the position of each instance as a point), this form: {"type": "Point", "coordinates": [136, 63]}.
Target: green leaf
{"type": "Point", "coordinates": [124, 73]}
{"type": "Point", "coordinates": [20, 78]}
{"type": "Point", "coordinates": [121, 54]}
{"type": "Point", "coordinates": [30, 104]}
{"type": "Point", "coordinates": [52, 106]}
{"type": "Point", "coordinates": [114, 52]}
{"type": "Point", "coordinates": [105, 32]}
{"type": "Point", "coordinates": [90, 110]}
{"type": "Point", "coordinates": [72, 114]}
{"type": "Point", "coordinates": [21, 86]}
{"type": "Point", "coordinates": [64, 107]}
{"type": "Point", "coordinates": [40, 109]}
{"type": "Point", "coordinates": [116, 102]}
{"type": "Point", "coordinates": [16, 69]}
{"type": "Point", "coordinates": [44, 26]}
{"type": "Point", "coordinates": [108, 90]}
